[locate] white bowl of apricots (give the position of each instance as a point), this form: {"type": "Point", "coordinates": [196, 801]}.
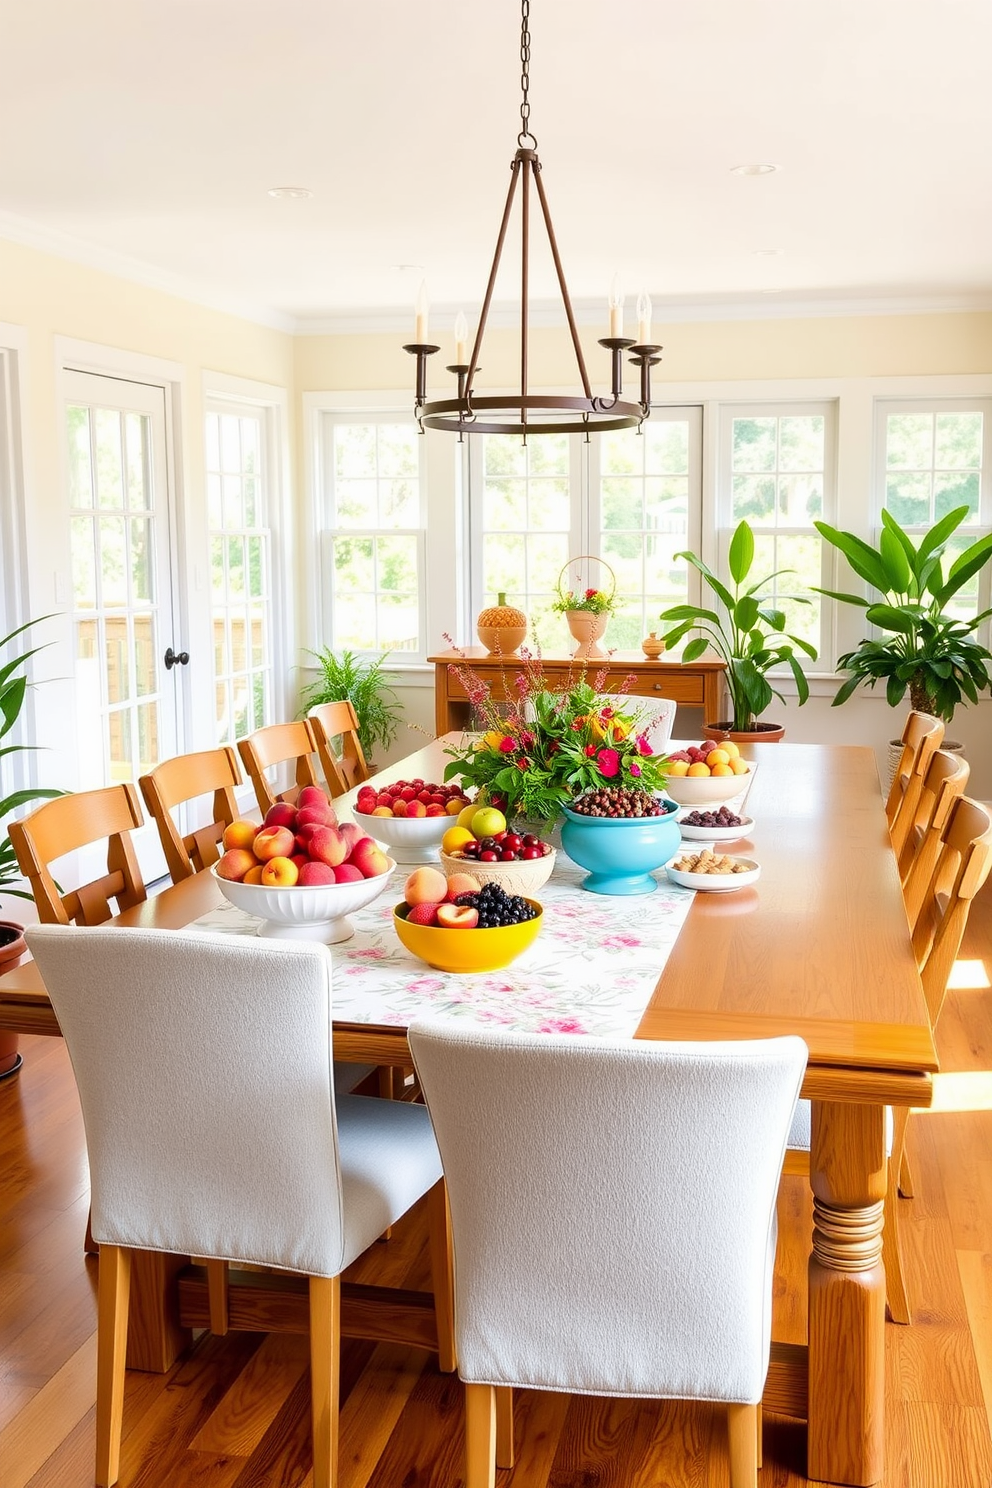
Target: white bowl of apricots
{"type": "Point", "coordinates": [707, 773]}
{"type": "Point", "coordinates": [302, 872]}
{"type": "Point", "coordinates": [409, 816]}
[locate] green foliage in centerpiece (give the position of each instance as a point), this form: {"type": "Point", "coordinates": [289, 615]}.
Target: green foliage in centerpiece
{"type": "Point", "coordinates": [542, 748]}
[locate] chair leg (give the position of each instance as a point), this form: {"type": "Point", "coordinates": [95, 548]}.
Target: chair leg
{"type": "Point", "coordinates": [217, 1296]}
{"type": "Point", "coordinates": [900, 1162]}
{"type": "Point", "coordinates": [325, 1372]}
{"type": "Point", "coordinates": [113, 1295]}
{"type": "Point", "coordinates": [442, 1275]}
{"type": "Point", "coordinates": [742, 1432]}
{"type": "Point", "coordinates": [90, 1246]}
{"type": "Point", "coordinates": [480, 1436]}
{"type": "Point", "coordinates": [759, 1433]}
{"type": "Point", "coordinates": [505, 1454]}
{"type": "Point", "coordinates": [896, 1297]}
{"type": "Point", "coordinates": [907, 1188]}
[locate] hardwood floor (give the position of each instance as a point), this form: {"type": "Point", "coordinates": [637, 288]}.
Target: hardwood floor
{"type": "Point", "coordinates": [234, 1412]}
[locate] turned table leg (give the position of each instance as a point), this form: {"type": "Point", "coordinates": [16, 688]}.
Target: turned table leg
{"type": "Point", "coordinates": [847, 1295]}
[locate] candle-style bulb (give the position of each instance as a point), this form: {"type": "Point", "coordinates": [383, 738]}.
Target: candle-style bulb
{"type": "Point", "coordinates": [643, 319]}
{"type": "Point", "coordinates": [616, 307]}
{"type": "Point", "coordinates": [423, 312]}
{"type": "Point", "coordinates": [461, 340]}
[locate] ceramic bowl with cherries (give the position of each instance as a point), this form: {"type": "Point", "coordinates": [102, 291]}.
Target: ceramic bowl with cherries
{"type": "Point", "coordinates": [409, 816]}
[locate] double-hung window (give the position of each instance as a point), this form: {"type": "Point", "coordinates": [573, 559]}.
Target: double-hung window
{"type": "Point", "coordinates": [777, 470]}
{"type": "Point", "coordinates": [934, 455]}
{"type": "Point", "coordinates": [373, 533]}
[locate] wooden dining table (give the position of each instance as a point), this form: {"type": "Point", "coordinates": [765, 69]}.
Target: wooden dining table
{"type": "Point", "coordinates": [819, 947]}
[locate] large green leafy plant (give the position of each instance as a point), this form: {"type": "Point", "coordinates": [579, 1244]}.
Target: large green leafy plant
{"type": "Point", "coordinates": [13, 690]}
{"type": "Point", "coordinates": [747, 632]}
{"type": "Point", "coordinates": [923, 648]}
{"type": "Point", "coordinates": [346, 675]}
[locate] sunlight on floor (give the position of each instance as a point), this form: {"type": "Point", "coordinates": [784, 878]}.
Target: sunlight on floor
{"type": "Point", "coordinates": [968, 974]}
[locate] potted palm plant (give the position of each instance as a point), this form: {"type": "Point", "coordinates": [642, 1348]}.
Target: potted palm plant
{"type": "Point", "coordinates": [376, 705]}
{"type": "Point", "coordinates": [748, 634]}
{"type": "Point", "coordinates": [13, 690]}
{"type": "Point", "coordinates": [922, 646]}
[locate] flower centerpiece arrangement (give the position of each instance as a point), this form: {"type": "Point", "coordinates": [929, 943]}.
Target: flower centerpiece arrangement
{"type": "Point", "coordinates": [543, 748]}
{"type": "Point", "coordinates": [586, 612]}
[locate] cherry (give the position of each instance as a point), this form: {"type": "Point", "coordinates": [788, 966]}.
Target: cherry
{"type": "Point", "coordinates": [508, 855]}
{"type": "Point", "coordinates": [530, 853]}
{"type": "Point", "coordinates": [513, 840]}
{"type": "Point", "coordinates": [488, 856]}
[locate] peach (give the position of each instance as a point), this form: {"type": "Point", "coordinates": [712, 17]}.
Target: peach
{"type": "Point", "coordinates": [235, 863]}
{"type": "Point", "coordinates": [316, 816]}
{"type": "Point", "coordinates": [352, 834]}
{"type": "Point", "coordinates": [280, 873]}
{"type": "Point", "coordinates": [462, 883]}
{"type": "Point", "coordinates": [399, 807]}
{"type": "Point", "coordinates": [739, 766]}
{"type": "Point", "coordinates": [719, 769]}
{"type": "Point", "coordinates": [699, 768]}
{"type": "Point", "coordinates": [348, 873]}
{"type": "Point", "coordinates": [678, 767]}
{"type": "Point", "coordinates": [370, 860]}
{"type": "Point", "coordinates": [273, 842]}
{"type": "Point", "coordinates": [299, 858]}
{"type": "Point", "coordinates": [254, 875]}
{"type": "Point", "coordinates": [457, 916]}
{"type": "Point", "coordinates": [416, 808]}
{"type": "Point", "coordinates": [312, 795]}
{"type": "Point", "coordinates": [434, 809]}
{"type": "Point", "coordinates": [328, 846]}
{"type": "Point", "coordinates": [425, 886]}
{"type": "Point", "coordinates": [455, 806]}
{"type": "Point", "coordinates": [240, 834]}
{"type": "Point", "coordinates": [282, 814]}
{"type": "Point", "coordinates": [314, 874]}
{"type": "Point", "coordinates": [383, 811]}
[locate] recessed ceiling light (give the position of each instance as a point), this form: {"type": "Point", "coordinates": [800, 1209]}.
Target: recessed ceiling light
{"type": "Point", "coordinates": [293, 192]}
{"type": "Point", "coordinates": [753, 170]}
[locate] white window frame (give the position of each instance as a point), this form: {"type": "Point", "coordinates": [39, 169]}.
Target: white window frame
{"type": "Point", "coordinates": [727, 523]}
{"type": "Point", "coordinates": [20, 769]}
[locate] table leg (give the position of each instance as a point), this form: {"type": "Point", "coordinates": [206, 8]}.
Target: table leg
{"type": "Point", "coordinates": [847, 1295]}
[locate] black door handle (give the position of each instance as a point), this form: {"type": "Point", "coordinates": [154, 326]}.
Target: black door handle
{"type": "Point", "coordinates": [173, 659]}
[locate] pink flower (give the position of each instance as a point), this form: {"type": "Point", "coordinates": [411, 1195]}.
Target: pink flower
{"type": "Point", "coordinates": [609, 762]}
{"type": "Point", "coordinates": [590, 750]}
{"type": "Point", "coordinates": [635, 768]}
{"type": "Point", "coordinates": [526, 740]}
{"type": "Point", "coordinates": [643, 747]}
{"type": "Point", "coordinates": [521, 764]}
{"type": "Point", "coordinates": [507, 745]}
{"type": "Point", "coordinates": [561, 1025]}
{"type": "Point", "coordinates": [607, 714]}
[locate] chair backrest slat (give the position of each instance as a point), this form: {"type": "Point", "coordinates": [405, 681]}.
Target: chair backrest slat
{"type": "Point", "coordinates": [921, 737]}
{"type": "Point", "coordinates": [66, 824]}
{"type": "Point", "coordinates": [331, 721]}
{"type": "Point", "coordinates": [944, 781]}
{"type": "Point", "coordinates": [278, 744]}
{"type": "Point", "coordinates": [961, 868]}
{"type": "Point", "coordinates": [174, 782]}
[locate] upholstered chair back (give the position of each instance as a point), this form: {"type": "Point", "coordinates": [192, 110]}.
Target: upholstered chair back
{"type": "Point", "coordinates": [612, 1205]}
{"type": "Point", "coordinates": [204, 1071]}
{"type": "Point", "coordinates": [655, 715]}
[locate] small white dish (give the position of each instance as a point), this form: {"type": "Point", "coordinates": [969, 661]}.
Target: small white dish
{"type": "Point", "coordinates": [410, 839]}
{"type": "Point", "coordinates": [717, 883]}
{"type": "Point", "coordinates": [716, 834]}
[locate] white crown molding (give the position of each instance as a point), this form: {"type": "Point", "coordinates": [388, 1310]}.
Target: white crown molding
{"type": "Point", "coordinates": [107, 261]}
{"type": "Point", "coordinates": [666, 312]}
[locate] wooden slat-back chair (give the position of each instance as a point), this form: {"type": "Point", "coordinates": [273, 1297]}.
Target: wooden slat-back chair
{"type": "Point", "coordinates": [330, 721]}
{"type": "Point", "coordinates": [64, 826]}
{"type": "Point", "coordinates": [921, 738]}
{"type": "Point", "coordinates": [278, 744]}
{"type": "Point", "coordinates": [175, 781]}
{"type": "Point", "coordinates": [943, 783]}
{"type": "Point", "coordinates": [962, 867]}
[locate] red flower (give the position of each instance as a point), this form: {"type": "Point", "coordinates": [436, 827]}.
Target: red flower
{"type": "Point", "coordinates": [609, 762]}
{"type": "Point", "coordinates": [590, 750]}
{"type": "Point", "coordinates": [591, 593]}
{"type": "Point", "coordinates": [521, 764]}
{"type": "Point", "coordinates": [635, 768]}
{"type": "Point", "coordinates": [507, 745]}
{"type": "Point", "coordinates": [643, 747]}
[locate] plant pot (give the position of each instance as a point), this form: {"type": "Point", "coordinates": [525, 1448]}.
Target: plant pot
{"type": "Point", "coordinates": [12, 948]}
{"type": "Point", "coordinates": [587, 628]}
{"type": "Point", "coordinates": [895, 755]}
{"type": "Point", "coordinates": [761, 733]}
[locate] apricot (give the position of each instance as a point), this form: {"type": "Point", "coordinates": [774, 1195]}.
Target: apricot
{"type": "Point", "coordinates": [254, 875]}
{"type": "Point", "coordinates": [718, 757]}
{"type": "Point", "coordinates": [678, 767]}
{"type": "Point", "coordinates": [235, 863]}
{"type": "Point", "coordinates": [721, 770]}
{"type": "Point", "coordinates": [239, 834]}
{"type": "Point", "coordinates": [273, 842]}
{"type": "Point", "coordinates": [699, 768]}
{"type": "Point", "coordinates": [739, 766]}
{"type": "Point", "coordinates": [425, 886]}
{"type": "Point", "coordinates": [280, 873]}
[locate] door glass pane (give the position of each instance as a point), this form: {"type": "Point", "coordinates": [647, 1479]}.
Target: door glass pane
{"type": "Point", "coordinates": [109, 479]}
{"type": "Point", "coordinates": [80, 469]}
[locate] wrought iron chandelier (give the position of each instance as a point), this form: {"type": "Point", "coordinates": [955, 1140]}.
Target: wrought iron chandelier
{"type": "Point", "coordinates": [524, 412]}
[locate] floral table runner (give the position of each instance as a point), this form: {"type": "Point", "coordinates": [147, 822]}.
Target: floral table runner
{"type": "Point", "coordinates": [592, 969]}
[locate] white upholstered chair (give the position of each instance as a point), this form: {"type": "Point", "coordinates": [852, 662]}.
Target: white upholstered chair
{"type": "Point", "coordinates": [204, 1071]}
{"type": "Point", "coordinates": [613, 1218]}
{"type": "Point", "coordinates": [655, 715]}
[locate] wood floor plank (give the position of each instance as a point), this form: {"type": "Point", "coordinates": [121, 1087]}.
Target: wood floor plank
{"type": "Point", "coordinates": [244, 1414]}
{"type": "Point", "coordinates": [976, 1283]}
{"type": "Point", "coordinates": [50, 1415]}
{"type": "Point", "coordinates": [373, 1410]}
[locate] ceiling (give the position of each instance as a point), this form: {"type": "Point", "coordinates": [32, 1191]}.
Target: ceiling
{"type": "Point", "coordinates": [145, 135]}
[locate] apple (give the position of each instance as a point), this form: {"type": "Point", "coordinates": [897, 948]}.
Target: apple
{"type": "Point", "coordinates": [328, 846]}
{"type": "Point", "coordinates": [463, 883]}
{"type": "Point", "coordinates": [273, 842]}
{"type": "Point", "coordinates": [235, 863]}
{"type": "Point", "coordinates": [282, 814]}
{"type": "Point", "coordinates": [466, 814]}
{"type": "Point", "coordinates": [487, 821]}
{"type": "Point", "coordinates": [425, 886]}
{"type": "Point", "coordinates": [348, 873]}
{"type": "Point", "coordinates": [370, 860]}
{"type": "Point", "coordinates": [239, 834]}
{"type": "Point", "coordinates": [314, 874]}
{"type": "Point", "coordinates": [457, 916]}
{"type": "Point", "coordinates": [280, 873]}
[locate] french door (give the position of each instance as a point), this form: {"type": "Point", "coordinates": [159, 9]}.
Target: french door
{"type": "Point", "coordinates": [128, 692]}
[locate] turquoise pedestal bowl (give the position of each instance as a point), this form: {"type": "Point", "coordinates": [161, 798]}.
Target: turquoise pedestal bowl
{"type": "Point", "coordinates": [620, 852]}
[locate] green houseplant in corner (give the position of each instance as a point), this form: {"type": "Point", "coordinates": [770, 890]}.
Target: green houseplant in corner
{"type": "Point", "coordinates": [923, 646]}
{"type": "Point", "coordinates": [346, 675]}
{"type": "Point", "coordinates": [748, 633]}
{"type": "Point", "coordinates": [13, 690]}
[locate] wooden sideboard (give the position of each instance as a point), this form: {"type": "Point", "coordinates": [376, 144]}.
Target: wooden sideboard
{"type": "Point", "coordinates": [698, 684]}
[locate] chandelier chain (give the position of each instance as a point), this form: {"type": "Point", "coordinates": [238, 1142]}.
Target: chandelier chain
{"type": "Point", "coordinates": [525, 131]}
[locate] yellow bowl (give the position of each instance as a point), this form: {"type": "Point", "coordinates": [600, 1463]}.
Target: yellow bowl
{"type": "Point", "coordinates": [467, 950]}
